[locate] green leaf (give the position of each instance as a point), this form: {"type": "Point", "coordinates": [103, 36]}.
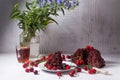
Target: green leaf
{"type": "Point", "coordinates": [27, 6]}
{"type": "Point", "coordinates": [63, 11]}
{"type": "Point", "coordinates": [52, 20]}
{"type": "Point", "coordinates": [34, 3]}
{"type": "Point", "coordinates": [15, 15]}
{"type": "Point", "coordinates": [16, 7]}
{"type": "Point", "coordinates": [15, 11]}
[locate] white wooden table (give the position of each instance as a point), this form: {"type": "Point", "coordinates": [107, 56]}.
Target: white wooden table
{"type": "Point", "coordinates": [10, 69]}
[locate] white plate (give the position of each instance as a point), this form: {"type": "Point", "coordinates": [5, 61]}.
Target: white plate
{"type": "Point", "coordinates": [41, 65]}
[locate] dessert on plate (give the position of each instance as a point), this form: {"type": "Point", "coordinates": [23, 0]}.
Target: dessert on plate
{"type": "Point", "coordinates": [90, 56]}
{"type": "Point", "coordinates": [55, 61]}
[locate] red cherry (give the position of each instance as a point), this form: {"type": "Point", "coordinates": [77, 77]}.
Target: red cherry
{"type": "Point", "coordinates": [73, 71]}
{"type": "Point", "coordinates": [27, 70]}
{"type": "Point", "coordinates": [36, 64]}
{"type": "Point", "coordinates": [78, 69]}
{"type": "Point", "coordinates": [85, 68]}
{"type": "Point", "coordinates": [90, 71]}
{"type": "Point", "coordinates": [77, 62]}
{"type": "Point", "coordinates": [91, 48]}
{"type": "Point", "coordinates": [49, 67]}
{"type": "Point", "coordinates": [67, 67]}
{"type": "Point", "coordinates": [38, 61]}
{"type": "Point", "coordinates": [88, 47]}
{"type": "Point", "coordinates": [25, 65]}
{"type": "Point", "coordinates": [45, 65]}
{"type": "Point", "coordinates": [43, 58]}
{"type": "Point", "coordinates": [93, 70]}
{"type": "Point", "coordinates": [54, 68]}
{"type": "Point", "coordinates": [35, 72]}
{"type": "Point", "coordinates": [59, 74]}
{"type": "Point", "coordinates": [71, 74]}
{"type": "Point", "coordinates": [31, 69]}
{"type": "Point", "coordinates": [63, 57]}
{"type": "Point", "coordinates": [49, 56]}
{"type": "Point", "coordinates": [68, 57]}
{"type": "Point", "coordinates": [47, 59]}
{"type": "Point", "coordinates": [81, 62]}
{"type": "Point", "coordinates": [32, 63]}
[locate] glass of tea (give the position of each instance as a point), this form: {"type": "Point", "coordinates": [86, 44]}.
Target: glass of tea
{"type": "Point", "coordinates": [23, 53]}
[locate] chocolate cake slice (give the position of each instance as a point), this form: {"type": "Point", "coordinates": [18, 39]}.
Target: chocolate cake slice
{"type": "Point", "coordinates": [94, 58]}
{"type": "Point", "coordinates": [80, 54]}
{"type": "Point", "coordinates": [90, 56]}
{"type": "Point", "coordinates": [55, 61]}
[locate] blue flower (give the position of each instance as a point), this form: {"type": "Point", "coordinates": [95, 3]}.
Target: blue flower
{"type": "Point", "coordinates": [44, 2]}
{"type": "Point", "coordinates": [48, 1]}
{"type": "Point", "coordinates": [68, 6]}
{"type": "Point", "coordinates": [58, 2]}
{"type": "Point", "coordinates": [61, 1]}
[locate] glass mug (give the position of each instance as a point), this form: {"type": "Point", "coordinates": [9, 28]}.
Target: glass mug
{"type": "Point", "coordinates": [23, 53]}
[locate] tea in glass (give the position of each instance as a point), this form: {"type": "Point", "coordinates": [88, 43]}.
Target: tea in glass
{"type": "Point", "coordinates": [23, 53]}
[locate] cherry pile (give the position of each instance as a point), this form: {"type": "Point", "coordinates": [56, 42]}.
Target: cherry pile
{"type": "Point", "coordinates": [30, 66]}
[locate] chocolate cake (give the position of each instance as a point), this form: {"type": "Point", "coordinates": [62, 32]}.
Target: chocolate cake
{"type": "Point", "coordinates": [94, 58]}
{"type": "Point", "coordinates": [90, 56]}
{"type": "Point", "coordinates": [55, 61]}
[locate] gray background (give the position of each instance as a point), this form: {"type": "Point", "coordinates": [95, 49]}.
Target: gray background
{"type": "Point", "coordinates": [94, 22]}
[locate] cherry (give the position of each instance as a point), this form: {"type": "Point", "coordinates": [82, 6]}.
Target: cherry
{"type": "Point", "coordinates": [27, 70]}
{"type": "Point", "coordinates": [89, 47]}
{"type": "Point", "coordinates": [49, 56]}
{"type": "Point", "coordinates": [67, 67]}
{"type": "Point", "coordinates": [63, 57]}
{"type": "Point", "coordinates": [73, 71]}
{"type": "Point", "coordinates": [37, 61]}
{"type": "Point", "coordinates": [31, 69]}
{"type": "Point", "coordinates": [59, 74]}
{"type": "Point", "coordinates": [71, 74]}
{"type": "Point", "coordinates": [77, 62]}
{"type": "Point", "coordinates": [45, 65]}
{"type": "Point", "coordinates": [43, 58]}
{"type": "Point", "coordinates": [25, 65]}
{"type": "Point", "coordinates": [81, 62]}
{"type": "Point", "coordinates": [35, 72]}
{"type": "Point", "coordinates": [36, 64]}
{"type": "Point", "coordinates": [54, 68]}
{"type": "Point", "coordinates": [68, 57]}
{"type": "Point", "coordinates": [78, 69]}
{"type": "Point", "coordinates": [32, 63]}
{"type": "Point", "coordinates": [92, 71]}
{"type": "Point", "coordinates": [49, 67]}
{"type": "Point", "coordinates": [85, 68]}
